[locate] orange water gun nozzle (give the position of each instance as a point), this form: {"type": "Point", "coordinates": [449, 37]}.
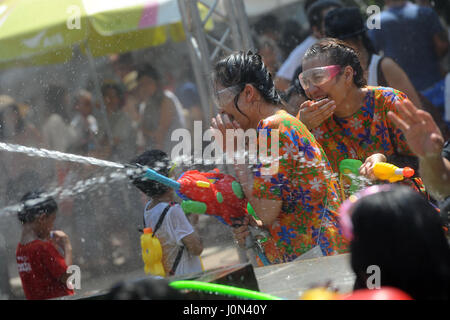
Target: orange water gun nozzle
{"type": "Point", "coordinates": [408, 172]}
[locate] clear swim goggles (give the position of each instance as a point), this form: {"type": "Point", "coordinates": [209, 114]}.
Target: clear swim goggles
{"type": "Point", "coordinates": [224, 96]}
{"type": "Point", "coordinates": [318, 76]}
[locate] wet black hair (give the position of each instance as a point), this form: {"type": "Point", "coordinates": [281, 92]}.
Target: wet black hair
{"type": "Point", "coordinates": [158, 161]}
{"type": "Point", "coordinates": [241, 68]}
{"type": "Point", "coordinates": [148, 71]}
{"type": "Point", "coordinates": [35, 204]}
{"type": "Point", "coordinates": [314, 11]}
{"type": "Point", "coordinates": [348, 24]}
{"type": "Point", "coordinates": [147, 289]}
{"type": "Point", "coordinates": [295, 87]}
{"type": "Point", "coordinates": [337, 52]}
{"type": "Point", "coordinates": [402, 234]}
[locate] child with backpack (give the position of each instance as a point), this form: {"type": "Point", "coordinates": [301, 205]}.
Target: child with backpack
{"type": "Point", "coordinates": [181, 245]}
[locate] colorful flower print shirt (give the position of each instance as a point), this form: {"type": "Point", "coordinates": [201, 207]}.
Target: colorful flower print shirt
{"type": "Point", "coordinates": [366, 132]}
{"type": "Point", "coordinates": [304, 182]}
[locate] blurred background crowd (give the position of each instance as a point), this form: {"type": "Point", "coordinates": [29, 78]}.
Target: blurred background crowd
{"type": "Point", "coordinates": [147, 93]}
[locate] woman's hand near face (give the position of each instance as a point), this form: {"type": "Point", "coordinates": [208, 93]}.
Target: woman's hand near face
{"type": "Point", "coordinates": [313, 114]}
{"type": "Point", "coordinates": [366, 169]}
{"type": "Point", "coordinates": [222, 122]}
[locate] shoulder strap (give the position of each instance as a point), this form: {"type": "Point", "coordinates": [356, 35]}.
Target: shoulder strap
{"type": "Point", "coordinates": [161, 217]}
{"type": "Point", "coordinates": [177, 261]}
{"type": "Point", "coordinates": [180, 251]}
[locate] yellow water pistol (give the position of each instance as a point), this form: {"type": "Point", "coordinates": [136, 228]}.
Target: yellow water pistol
{"type": "Point", "coordinates": [152, 254]}
{"type": "Point", "coordinates": [387, 171]}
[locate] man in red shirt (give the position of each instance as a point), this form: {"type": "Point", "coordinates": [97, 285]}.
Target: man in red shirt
{"type": "Point", "coordinates": [42, 255]}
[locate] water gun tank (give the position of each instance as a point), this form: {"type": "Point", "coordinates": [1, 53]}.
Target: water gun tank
{"type": "Point", "coordinates": [152, 254]}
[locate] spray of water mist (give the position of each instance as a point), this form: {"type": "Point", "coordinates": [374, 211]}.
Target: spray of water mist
{"type": "Point", "coordinates": [124, 171]}
{"type": "Point", "coordinates": [56, 155]}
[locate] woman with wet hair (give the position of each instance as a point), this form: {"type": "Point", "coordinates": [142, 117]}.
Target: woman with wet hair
{"type": "Point", "coordinates": [295, 194]}
{"type": "Point", "coordinates": [347, 117]}
{"type": "Point", "coordinates": [347, 24]}
{"type": "Point", "coordinates": [395, 229]}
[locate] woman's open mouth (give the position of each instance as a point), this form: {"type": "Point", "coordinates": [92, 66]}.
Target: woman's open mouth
{"type": "Point", "coordinates": [320, 98]}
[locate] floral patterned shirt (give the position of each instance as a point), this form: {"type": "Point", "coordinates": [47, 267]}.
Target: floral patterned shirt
{"type": "Point", "coordinates": [366, 132]}
{"type": "Point", "coordinates": [307, 187]}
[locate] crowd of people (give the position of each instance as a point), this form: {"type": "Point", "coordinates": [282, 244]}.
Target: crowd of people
{"type": "Point", "coordinates": [137, 111]}
{"type": "Point", "coordinates": [344, 92]}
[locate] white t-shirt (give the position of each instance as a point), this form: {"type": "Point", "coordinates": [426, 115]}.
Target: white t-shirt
{"type": "Point", "coordinates": [372, 78]}
{"type": "Point", "coordinates": [295, 58]}
{"type": "Point", "coordinates": [173, 229]}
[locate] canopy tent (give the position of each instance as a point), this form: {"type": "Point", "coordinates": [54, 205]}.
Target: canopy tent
{"type": "Point", "coordinates": [34, 32]}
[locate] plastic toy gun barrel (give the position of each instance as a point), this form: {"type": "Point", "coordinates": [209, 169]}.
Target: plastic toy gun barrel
{"type": "Point", "coordinates": [153, 175]}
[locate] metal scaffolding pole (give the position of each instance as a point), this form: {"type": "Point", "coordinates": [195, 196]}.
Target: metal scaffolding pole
{"type": "Point", "coordinates": [204, 48]}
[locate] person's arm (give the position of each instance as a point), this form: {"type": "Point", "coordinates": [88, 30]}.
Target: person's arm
{"type": "Point", "coordinates": [426, 141]}
{"type": "Point", "coordinates": [193, 244]}
{"type": "Point", "coordinates": [398, 79]}
{"type": "Point", "coordinates": [267, 210]}
{"type": "Point", "coordinates": [435, 173]}
{"type": "Point", "coordinates": [184, 232]}
{"type": "Point", "coordinates": [52, 259]}
{"type": "Point", "coordinates": [62, 240]}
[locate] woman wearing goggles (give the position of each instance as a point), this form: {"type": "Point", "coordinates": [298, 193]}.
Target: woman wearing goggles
{"type": "Point", "coordinates": [347, 117]}
{"type": "Point", "coordinates": [296, 200]}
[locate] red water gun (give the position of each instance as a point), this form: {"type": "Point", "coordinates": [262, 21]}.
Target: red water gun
{"type": "Point", "coordinates": [212, 193]}
{"type": "Point", "coordinates": [216, 194]}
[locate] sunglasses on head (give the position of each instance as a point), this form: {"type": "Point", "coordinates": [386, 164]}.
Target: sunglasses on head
{"type": "Point", "coordinates": [318, 76]}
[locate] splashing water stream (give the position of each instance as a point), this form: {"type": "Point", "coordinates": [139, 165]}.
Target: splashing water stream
{"type": "Point", "coordinates": [91, 183]}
